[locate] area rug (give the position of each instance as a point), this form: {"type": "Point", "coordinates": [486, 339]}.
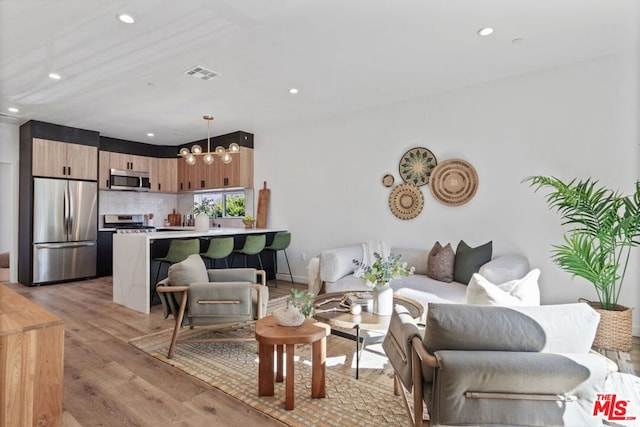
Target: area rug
{"type": "Point", "coordinates": [232, 367]}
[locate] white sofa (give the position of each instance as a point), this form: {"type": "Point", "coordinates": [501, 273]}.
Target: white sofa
{"type": "Point", "coordinates": [337, 267]}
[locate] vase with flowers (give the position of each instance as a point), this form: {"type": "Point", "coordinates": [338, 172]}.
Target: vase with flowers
{"type": "Point", "coordinates": [204, 211]}
{"type": "Point", "coordinates": [378, 275]}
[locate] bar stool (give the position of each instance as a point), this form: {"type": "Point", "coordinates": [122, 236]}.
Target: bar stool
{"type": "Point", "coordinates": [281, 242]}
{"type": "Point", "coordinates": [178, 251]}
{"type": "Point", "coordinates": [219, 248]}
{"type": "Point", "coordinates": [253, 245]}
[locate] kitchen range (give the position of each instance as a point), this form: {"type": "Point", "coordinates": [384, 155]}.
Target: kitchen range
{"type": "Point", "coordinates": [112, 224]}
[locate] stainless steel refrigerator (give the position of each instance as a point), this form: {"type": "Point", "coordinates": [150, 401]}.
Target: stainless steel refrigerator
{"type": "Point", "coordinates": [65, 229]}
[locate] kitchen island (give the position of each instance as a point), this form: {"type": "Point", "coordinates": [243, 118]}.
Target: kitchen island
{"type": "Point", "coordinates": [133, 254]}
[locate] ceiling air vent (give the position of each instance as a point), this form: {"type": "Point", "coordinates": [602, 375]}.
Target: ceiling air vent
{"type": "Point", "coordinates": [201, 73]}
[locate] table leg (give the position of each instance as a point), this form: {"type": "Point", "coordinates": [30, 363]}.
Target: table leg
{"type": "Point", "coordinates": [265, 370]}
{"type": "Point", "coordinates": [318, 367]}
{"type": "Point", "coordinates": [289, 399]}
{"type": "Point", "coordinates": [357, 351]}
{"type": "Point", "coordinates": [279, 361]}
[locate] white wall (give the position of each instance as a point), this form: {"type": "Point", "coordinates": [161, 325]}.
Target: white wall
{"type": "Point", "coordinates": [9, 153]}
{"type": "Point", "coordinates": [576, 121]}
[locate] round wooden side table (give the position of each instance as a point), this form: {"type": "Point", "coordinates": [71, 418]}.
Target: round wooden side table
{"type": "Point", "coordinates": [269, 335]}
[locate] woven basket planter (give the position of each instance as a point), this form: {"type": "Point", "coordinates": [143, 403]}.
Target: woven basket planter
{"type": "Point", "coordinates": [614, 331]}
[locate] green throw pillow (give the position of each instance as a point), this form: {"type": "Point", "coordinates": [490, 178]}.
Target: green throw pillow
{"type": "Point", "coordinates": [469, 260]}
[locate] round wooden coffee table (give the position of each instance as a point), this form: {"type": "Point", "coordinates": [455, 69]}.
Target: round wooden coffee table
{"type": "Point", "coordinates": [269, 335]}
{"type": "Point", "coordinates": [329, 311]}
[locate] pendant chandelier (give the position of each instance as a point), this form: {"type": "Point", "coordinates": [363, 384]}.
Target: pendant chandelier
{"type": "Point", "coordinates": [208, 156]}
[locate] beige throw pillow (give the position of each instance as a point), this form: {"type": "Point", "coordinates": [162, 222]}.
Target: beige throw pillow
{"type": "Point", "coordinates": [441, 263]}
{"type": "Point", "coordinates": [191, 270]}
{"type": "Point", "coordinates": [521, 292]}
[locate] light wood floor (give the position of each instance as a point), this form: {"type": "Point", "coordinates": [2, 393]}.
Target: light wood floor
{"type": "Point", "coordinates": [140, 390]}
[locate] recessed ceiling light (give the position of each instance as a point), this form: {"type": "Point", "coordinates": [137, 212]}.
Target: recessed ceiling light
{"type": "Point", "coordinates": [14, 110]}
{"type": "Point", "coordinates": [55, 76]}
{"type": "Point", "coordinates": [127, 19]}
{"type": "Point", "coordinates": [293, 91]}
{"type": "Point", "coordinates": [150, 135]}
{"type": "Point", "coordinates": [485, 31]}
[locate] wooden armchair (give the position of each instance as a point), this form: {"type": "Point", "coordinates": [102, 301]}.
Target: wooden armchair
{"type": "Point", "coordinates": [229, 296]}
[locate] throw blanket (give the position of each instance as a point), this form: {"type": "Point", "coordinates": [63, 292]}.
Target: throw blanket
{"type": "Point", "coordinates": [368, 249]}
{"type": "Point", "coordinates": [314, 275]}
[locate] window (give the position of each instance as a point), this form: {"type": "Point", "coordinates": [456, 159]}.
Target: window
{"type": "Point", "coordinates": [227, 204]}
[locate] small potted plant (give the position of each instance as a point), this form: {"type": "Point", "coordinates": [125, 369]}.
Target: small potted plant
{"type": "Point", "coordinates": [303, 300]}
{"type": "Point", "coordinates": [248, 221]}
{"type": "Point", "coordinates": [203, 212]}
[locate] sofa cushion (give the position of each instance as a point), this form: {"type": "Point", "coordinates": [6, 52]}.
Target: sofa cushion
{"type": "Point", "coordinates": [191, 270]}
{"type": "Point", "coordinates": [469, 260]}
{"type": "Point", "coordinates": [337, 263]}
{"type": "Point", "coordinates": [504, 268]}
{"type": "Point", "coordinates": [562, 328]}
{"type": "Point", "coordinates": [523, 291]}
{"type": "Point", "coordinates": [441, 263]}
{"type": "Point", "coordinates": [416, 258]}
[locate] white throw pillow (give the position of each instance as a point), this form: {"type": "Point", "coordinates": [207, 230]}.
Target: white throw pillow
{"type": "Point", "coordinates": [524, 292]}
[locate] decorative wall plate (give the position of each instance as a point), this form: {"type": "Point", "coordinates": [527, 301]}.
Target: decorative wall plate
{"type": "Point", "coordinates": [453, 182]}
{"type": "Point", "coordinates": [416, 165]}
{"type": "Point", "coordinates": [388, 180]}
{"type": "Point", "coordinates": [406, 201]}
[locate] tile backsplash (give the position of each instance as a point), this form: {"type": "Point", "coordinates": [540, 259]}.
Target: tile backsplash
{"type": "Point", "coordinates": [160, 204]}
{"type": "Point", "coordinates": [131, 202]}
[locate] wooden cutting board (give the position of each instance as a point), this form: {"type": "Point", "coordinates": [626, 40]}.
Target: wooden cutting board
{"type": "Point", "coordinates": [174, 219]}
{"type": "Point", "coordinates": [263, 206]}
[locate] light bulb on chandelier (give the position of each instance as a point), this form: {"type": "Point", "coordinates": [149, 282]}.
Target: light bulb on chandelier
{"type": "Point", "coordinates": [208, 157]}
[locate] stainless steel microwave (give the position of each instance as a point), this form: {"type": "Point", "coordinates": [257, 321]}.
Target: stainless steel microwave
{"type": "Point", "coordinates": [129, 180]}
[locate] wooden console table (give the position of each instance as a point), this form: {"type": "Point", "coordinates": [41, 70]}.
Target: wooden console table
{"type": "Point", "coordinates": [269, 334]}
{"type": "Point", "coordinates": [31, 363]}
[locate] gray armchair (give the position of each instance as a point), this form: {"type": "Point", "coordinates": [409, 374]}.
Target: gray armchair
{"type": "Point", "coordinates": [195, 296]}
{"type": "Point", "coordinates": [490, 365]}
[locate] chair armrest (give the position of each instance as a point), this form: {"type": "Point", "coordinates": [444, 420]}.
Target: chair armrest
{"type": "Point", "coordinates": [166, 289]}
{"type": "Point", "coordinates": [337, 263]}
{"type": "Point", "coordinates": [422, 353]}
{"type": "Point", "coordinates": [397, 343]}
{"type": "Point", "coordinates": [260, 292]}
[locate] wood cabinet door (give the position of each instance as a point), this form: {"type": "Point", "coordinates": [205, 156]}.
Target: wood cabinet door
{"type": "Point", "coordinates": [103, 170]}
{"type": "Point", "coordinates": [49, 158]}
{"type": "Point", "coordinates": [238, 173]}
{"type": "Point", "coordinates": [163, 174]}
{"type": "Point", "coordinates": [82, 161]}
{"type": "Point", "coordinates": [139, 163]}
{"type": "Point", "coordinates": [186, 176]}
{"type": "Point", "coordinates": [119, 161]}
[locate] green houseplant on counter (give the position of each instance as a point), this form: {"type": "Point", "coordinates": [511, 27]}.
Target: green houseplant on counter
{"type": "Point", "coordinates": [604, 225]}
{"type": "Point", "coordinates": [204, 211]}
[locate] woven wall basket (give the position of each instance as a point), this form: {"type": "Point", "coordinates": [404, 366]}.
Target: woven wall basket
{"type": "Point", "coordinates": [614, 331]}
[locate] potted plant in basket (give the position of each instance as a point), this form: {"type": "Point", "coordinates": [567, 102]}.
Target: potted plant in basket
{"type": "Point", "coordinates": [604, 226]}
{"type": "Point", "coordinates": [248, 221]}
{"type": "Point", "coordinates": [378, 275]}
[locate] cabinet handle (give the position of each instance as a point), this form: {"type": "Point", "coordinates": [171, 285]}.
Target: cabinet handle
{"type": "Point", "coordinates": [202, 184]}
{"type": "Point", "coordinates": [226, 182]}
{"type": "Point", "coordinates": [159, 186]}
{"type": "Point", "coordinates": [107, 183]}
{"type": "Point", "coordinates": [69, 170]}
{"type": "Point", "coordinates": [180, 186]}
{"type": "Point", "coordinates": [64, 170]}
{"type": "Point", "coordinates": [189, 185]}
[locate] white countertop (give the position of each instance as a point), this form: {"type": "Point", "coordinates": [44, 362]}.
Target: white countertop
{"type": "Point", "coordinates": [217, 231]}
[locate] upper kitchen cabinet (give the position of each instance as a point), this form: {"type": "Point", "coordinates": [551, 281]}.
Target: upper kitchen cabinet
{"type": "Point", "coordinates": [129, 162]}
{"type": "Point", "coordinates": [103, 170]}
{"type": "Point", "coordinates": [238, 173]}
{"type": "Point", "coordinates": [64, 160]}
{"type": "Point", "coordinates": [163, 175]}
